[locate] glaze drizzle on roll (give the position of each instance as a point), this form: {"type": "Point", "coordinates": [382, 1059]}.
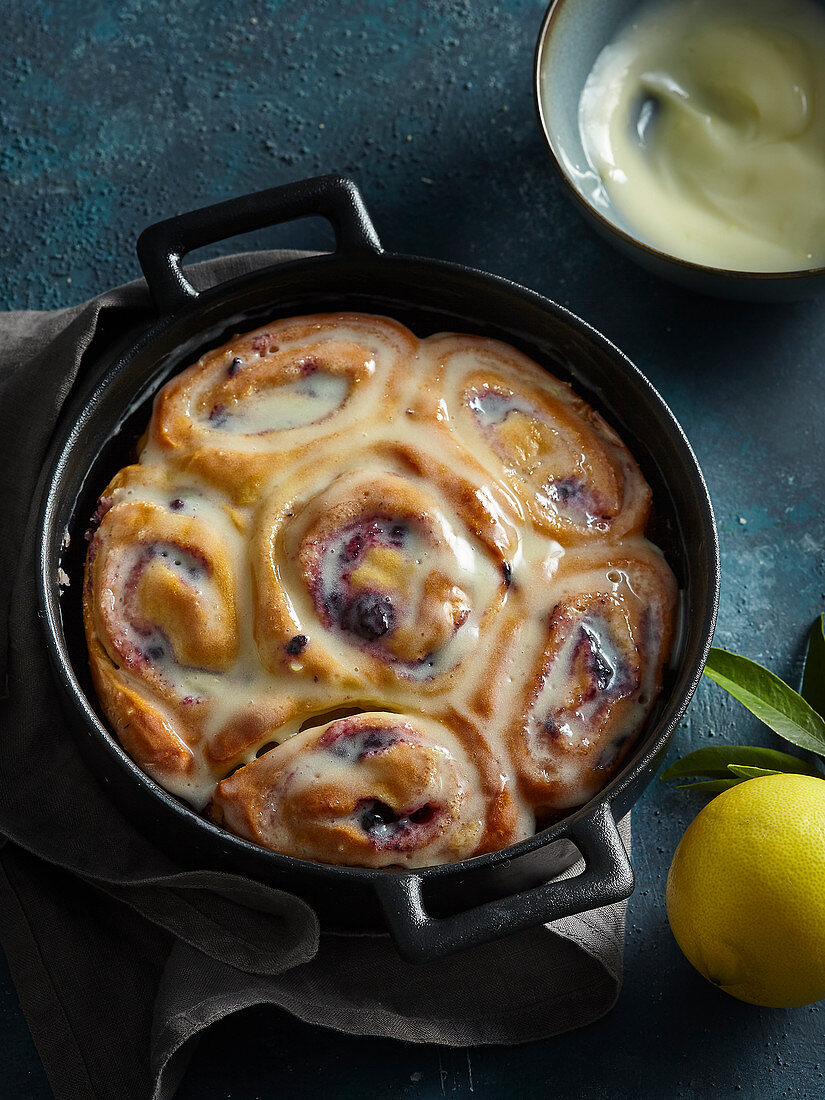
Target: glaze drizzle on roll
{"type": "Point", "coordinates": [373, 600]}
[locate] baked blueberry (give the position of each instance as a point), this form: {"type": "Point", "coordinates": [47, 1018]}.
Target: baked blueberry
{"type": "Point", "coordinates": [369, 616]}
{"type": "Point", "coordinates": [297, 645]}
{"type": "Point", "coordinates": [377, 816]}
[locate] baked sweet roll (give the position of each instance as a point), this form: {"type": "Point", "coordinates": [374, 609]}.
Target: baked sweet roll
{"type": "Point", "coordinates": [267, 396]}
{"type": "Point", "coordinates": [375, 789]}
{"type": "Point", "coordinates": [161, 613]}
{"type": "Point", "coordinates": [573, 474]}
{"type": "Point", "coordinates": [373, 600]}
{"type": "Point", "coordinates": [596, 648]}
{"type": "Point", "coordinates": [379, 569]}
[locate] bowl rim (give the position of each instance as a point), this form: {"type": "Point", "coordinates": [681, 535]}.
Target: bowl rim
{"type": "Point", "coordinates": [548, 24]}
{"type": "Point", "coordinates": [69, 434]}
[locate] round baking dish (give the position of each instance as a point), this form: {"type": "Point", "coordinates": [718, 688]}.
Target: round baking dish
{"type": "Point", "coordinates": [431, 911]}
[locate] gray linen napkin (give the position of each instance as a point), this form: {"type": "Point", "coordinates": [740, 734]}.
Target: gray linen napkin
{"type": "Point", "coordinates": [121, 958]}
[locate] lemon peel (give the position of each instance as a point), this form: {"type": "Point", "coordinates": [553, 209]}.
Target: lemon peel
{"type": "Point", "coordinates": [746, 891]}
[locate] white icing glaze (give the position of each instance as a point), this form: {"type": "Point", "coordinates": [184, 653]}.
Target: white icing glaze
{"type": "Point", "coordinates": [295, 404]}
{"type": "Point", "coordinates": [464, 565]}
{"type": "Point", "coordinates": [704, 124]}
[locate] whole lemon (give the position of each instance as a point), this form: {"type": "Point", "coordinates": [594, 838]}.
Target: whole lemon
{"type": "Point", "coordinates": [746, 891]}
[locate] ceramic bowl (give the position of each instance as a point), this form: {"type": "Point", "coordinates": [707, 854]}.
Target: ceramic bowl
{"type": "Point", "coordinates": [573, 33]}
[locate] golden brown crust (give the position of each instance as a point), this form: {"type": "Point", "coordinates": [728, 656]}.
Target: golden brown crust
{"type": "Point", "coordinates": [155, 581]}
{"type": "Point", "coordinates": [374, 789]}
{"type": "Point", "coordinates": [146, 735]}
{"type": "Point", "coordinates": [247, 730]}
{"type": "Point", "coordinates": [570, 470]}
{"type": "Point", "coordinates": [205, 419]}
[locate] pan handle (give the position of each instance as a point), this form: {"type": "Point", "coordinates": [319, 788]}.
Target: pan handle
{"type": "Point", "coordinates": [162, 246]}
{"type": "Point", "coordinates": [607, 878]}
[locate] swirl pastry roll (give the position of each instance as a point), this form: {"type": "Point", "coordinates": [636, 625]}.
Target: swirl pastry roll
{"type": "Point", "coordinates": [573, 474]}
{"type": "Point", "coordinates": [598, 652]}
{"type": "Point", "coordinates": [160, 612]}
{"type": "Point", "coordinates": [374, 789]}
{"type": "Point", "coordinates": [267, 396]}
{"type": "Point", "coordinates": [379, 569]}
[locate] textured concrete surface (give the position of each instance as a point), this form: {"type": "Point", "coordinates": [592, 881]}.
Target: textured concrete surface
{"type": "Point", "coordinates": [115, 117]}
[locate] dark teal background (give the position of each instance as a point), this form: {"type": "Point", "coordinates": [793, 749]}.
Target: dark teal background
{"type": "Point", "coordinates": [115, 117]}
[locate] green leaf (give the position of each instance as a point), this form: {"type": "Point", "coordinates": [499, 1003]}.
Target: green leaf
{"type": "Point", "coordinates": [714, 760]}
{"type": "Point", "coordinates": [769, 698]}
{"type": "Point", "coordinates": [750, 773]}
{"type": "Point", "coordinates": [715, 785]}
{"type": "Point", "coordinates": [813, 682]}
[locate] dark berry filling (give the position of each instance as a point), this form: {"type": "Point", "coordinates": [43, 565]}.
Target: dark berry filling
{"type": "Point", "coordinates": [603, 671]}
{"type": "Point", "coordinates": [103, 506]}
{"type": "Point", "coordinates": [598, 663]}
{"type": "Point", "coordinates": [566, 490]}
{"type": "Point", "coordinates": [234, 366]}
{"type": "Point", "coordinates": [353, 548]}
{"type": "Point", "coordinates": [260, 343]}
{"type": "Point", "coordinates": [375, 741]}
{"type": "Point", "coordinates": [333, 604]}
{"type": "Point", "coordinates": [423, 814]}
{"type": "Point", "coordinates": [176, 504]}
{"type": "Point", "coordinates": [388, 829]}
{"type": "Point", "coordinates": [578, 500]}
{"type": "Point", "coordinates": [297, 645]}
{"type": "Point", "coordinates": [376, 815]}
{"type": "Point", "coordinates": [352, 742]}
{"type": "Point", "coordinates": [550, 728]}
{"type": "Point", "coordinates": [360, 590]}
{"type": "Point", "coordinates": [369, 616]}
{"type": "Point", "coordinates": [217, 416]}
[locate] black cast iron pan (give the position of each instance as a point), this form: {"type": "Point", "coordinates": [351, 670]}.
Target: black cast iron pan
{"type": "Point", "coordinates": [437, 910]}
